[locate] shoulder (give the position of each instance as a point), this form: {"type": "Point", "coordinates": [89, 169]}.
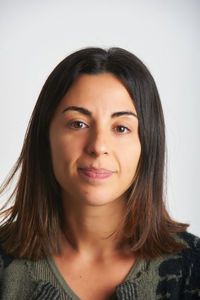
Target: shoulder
{"type": "Point", "coordinates": [187, 258]}
{"type": "Point", "coordinates": [190, 255]}
{"type": "Point", "coordinates": [191, 240]}
{"type": "Point", "coordinates": [180, 272]}
{"type": "Point", "coordinates": [18, 282]}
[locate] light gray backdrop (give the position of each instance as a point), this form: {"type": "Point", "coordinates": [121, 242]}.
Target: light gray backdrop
{"type": "Point", "coordinates": [36, 35]}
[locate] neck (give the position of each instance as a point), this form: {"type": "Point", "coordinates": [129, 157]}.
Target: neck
{"type": "Point", "coordinates": [93, 229]}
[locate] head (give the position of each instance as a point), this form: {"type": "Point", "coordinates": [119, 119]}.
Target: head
{"type": "Point", "coordinates": [39, 188]}
{"type": "Point", "coordinates": [140, 86]}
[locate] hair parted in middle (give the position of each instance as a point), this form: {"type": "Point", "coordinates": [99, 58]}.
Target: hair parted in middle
{"type": "Point", "coordinates": [34, 222]}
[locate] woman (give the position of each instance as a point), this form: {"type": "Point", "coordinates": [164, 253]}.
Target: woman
{"type": "Point", "coordinates": [88, 220]}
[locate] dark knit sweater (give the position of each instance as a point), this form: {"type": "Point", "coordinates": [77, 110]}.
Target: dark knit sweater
{"type": "Point", "coordinates": [171, 277]}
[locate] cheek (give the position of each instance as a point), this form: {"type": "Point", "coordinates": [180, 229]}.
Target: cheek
{"type": "Point", "coordinates": [130, 159]}
{"type": "Point", "coordinates": [64, 152]}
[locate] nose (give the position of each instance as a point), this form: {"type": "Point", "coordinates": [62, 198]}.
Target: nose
{"type": "Point", "coordinates": [98, 143]}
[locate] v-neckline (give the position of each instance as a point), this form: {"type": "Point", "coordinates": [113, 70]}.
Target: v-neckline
{"type": "Point", "coordinates": [138, 264]}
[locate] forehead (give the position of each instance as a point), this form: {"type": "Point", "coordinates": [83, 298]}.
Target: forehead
{"type": "Point", "coordinates": [98, 91]}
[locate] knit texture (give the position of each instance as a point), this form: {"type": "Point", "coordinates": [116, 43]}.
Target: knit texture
{"type": "Point", "coordinates": [173, 277]}
{"type": "Point", "coordinates": [45, 291]}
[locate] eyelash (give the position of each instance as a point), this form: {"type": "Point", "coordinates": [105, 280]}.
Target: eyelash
{"type": "Point", "coordinates": [72, 125]}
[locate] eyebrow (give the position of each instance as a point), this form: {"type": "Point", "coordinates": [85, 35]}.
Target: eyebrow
{"type": "Point", "coordinates": [86, 112]}
{"type": "Point", "coordinates": [82, 110]}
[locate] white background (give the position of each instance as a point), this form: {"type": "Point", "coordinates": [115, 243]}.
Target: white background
{"type": "Point", "coordinates": [36, 35]}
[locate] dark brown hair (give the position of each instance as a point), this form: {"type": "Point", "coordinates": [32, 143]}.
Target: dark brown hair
{"type": "Point", "coordinates": [31, 228]}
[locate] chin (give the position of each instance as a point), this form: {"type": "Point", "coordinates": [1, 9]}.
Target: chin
{"type": "Point", "coordinates": [92, 196]}
{"type": "Point", "coordinates": [99, 199]}
{"type": "Point", "coordinates": [97, 202]}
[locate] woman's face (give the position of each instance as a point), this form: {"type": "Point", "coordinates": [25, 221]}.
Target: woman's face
{"type": "Point", "coordinates": [94, 140]}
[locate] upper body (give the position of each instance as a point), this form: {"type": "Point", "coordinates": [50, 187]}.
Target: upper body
{"type": "Point", "coordinates": [88, 204]}
{"type": "Point", "coordinates": [173, 277]}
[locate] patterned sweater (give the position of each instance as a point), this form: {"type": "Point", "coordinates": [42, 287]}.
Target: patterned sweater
{"type": "Point", "coordinates": [171, 277]}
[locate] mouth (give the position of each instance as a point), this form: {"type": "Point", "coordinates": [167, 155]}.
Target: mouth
{"type": "Point", "coordinates": [94, 173]}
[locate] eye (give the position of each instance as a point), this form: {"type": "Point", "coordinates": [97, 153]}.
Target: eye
{"type": "Point", "coordinates": [77, 125]}
{"type": "Point", "coordinates": [122, 129]}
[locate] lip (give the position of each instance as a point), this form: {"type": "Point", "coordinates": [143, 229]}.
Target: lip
{"type": "Point", "coordinates": [96, 173]}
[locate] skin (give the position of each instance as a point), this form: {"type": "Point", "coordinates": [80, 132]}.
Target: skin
{"type": "Point", "coordinates": [95, 152]}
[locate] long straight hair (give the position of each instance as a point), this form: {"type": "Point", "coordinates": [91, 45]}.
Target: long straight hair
{"type": "Point", "coordinates": [32, 227]}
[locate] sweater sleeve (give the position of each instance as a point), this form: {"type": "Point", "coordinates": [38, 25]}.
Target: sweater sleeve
{"type": "Point", "coordinates": [180, 273]}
